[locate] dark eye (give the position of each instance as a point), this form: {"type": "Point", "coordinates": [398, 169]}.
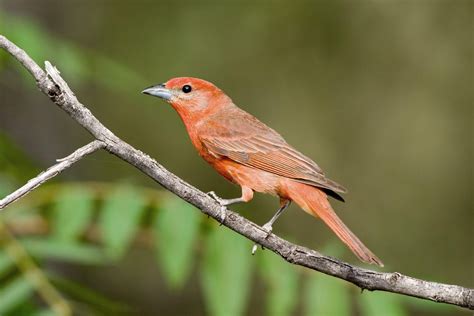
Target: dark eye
{"type": "Point", "coordinates": [187, 88]}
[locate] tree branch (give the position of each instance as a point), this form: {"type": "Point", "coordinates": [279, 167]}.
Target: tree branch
{"type": "Point", "coordinates": [53, 171]}
{"type": "Point", "coordinates": [60, 93]}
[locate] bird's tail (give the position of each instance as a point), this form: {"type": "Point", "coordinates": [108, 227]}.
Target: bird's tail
{"type": "Point", "coordinates": [315, 202]}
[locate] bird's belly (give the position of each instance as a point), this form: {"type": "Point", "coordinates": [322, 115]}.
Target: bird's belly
{"type": "Point", "coordinates": [257, 180]}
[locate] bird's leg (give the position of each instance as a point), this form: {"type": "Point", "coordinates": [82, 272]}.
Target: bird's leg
{"type": "Point", "coordinates": [268, 226]}
{"type": "Point", "coordinates": [225, 202]}
{"type": "Point", "coordinates": [247, 195]}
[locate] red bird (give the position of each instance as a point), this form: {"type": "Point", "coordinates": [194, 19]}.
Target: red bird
{"type": "Point", "coordinates": [249, 153]}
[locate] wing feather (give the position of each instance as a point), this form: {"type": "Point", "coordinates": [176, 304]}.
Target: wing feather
{"type": "Point", "coordinates": [250, 142]}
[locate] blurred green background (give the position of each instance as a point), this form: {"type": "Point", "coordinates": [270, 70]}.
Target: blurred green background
{"type": "Point", "coordinates": [378, 93]}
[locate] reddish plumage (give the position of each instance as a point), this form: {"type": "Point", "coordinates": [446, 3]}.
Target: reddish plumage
{"type": "Point", "coordinates": [254, 156]}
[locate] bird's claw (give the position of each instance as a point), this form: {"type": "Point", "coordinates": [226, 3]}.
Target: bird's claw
{"type": "Point", "coordinates": [268, 229]}
{"type": "Point", "coordinates": [223, 215]}
{"type": "Point", "coordinates": [213, 195]}
{"type": "Point", "coordinates": [223, 210]}
{"type": "Point", "coordinates": [219, 200]}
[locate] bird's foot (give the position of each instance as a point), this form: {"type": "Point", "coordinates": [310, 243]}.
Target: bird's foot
{"type": "Point", "coordinates": [223, 215]}
{"type": "Point", "coordinates": [268, 229]}
{"type": "Point", "coordinates": [213, 195]}
{"type": "Point", "coordinates": [218, 199]}
{"type": "Point", "coordinates": [224, 202]}
{"type": "Point", "coordinates": [223, 210]}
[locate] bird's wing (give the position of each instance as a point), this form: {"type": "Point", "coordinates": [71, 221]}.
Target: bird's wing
{"type": "Point", "coordinates": [244, 139]}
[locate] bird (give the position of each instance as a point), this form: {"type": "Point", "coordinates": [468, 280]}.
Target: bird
{"type": "Point", "coordinates": [252, 155]}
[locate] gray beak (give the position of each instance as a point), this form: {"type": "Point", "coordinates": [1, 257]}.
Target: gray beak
{"type": "Point", "coordinates": [159, 91]}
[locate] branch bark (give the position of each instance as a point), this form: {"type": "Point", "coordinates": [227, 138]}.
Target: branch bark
{"type": "Point", "coordinates": [53, 171]}
{"type": "Point", "coordinates": [53, 85]}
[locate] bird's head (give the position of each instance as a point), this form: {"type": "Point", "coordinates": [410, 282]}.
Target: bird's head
{"type": "Point", "coordinates": [189, 95]}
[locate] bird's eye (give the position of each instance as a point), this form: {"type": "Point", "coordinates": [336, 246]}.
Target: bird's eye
{"type": "Point", "coordinates": [187, 88]}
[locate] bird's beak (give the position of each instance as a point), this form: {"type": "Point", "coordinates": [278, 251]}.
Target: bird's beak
{"type": "Point", "coordinates": [159, 91]}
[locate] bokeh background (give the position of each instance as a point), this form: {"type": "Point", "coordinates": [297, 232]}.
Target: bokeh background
{"type": "Point", "coordinates": [378, 93]}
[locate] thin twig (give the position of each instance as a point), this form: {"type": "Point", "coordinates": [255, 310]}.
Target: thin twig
{"type": "Point", "coordinates": [59, 92]}
{"type": "Point", "coordinates": [53, 171]}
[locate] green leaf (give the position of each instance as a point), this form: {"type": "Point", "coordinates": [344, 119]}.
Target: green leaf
{"type": "Point", "coordinates": [281, 279]}
{"type": "Point", "coordinates": [72, 252]}
{"type": "Point", "coordinates": [28, 307]}
{"type": "Point", "coordinates": [72, 212]}
{"type": "Point", "coordinates": [44, 312]}
{"type": "Point", "coordinates": [325, 295]}
{"type": "Point", "coordinates": [380, 303]}
{"type": "Point", "coordinates": [120, 218]}
{"type": "Point", "coordinates": [6, 263]}
{"type": "Point", "coordinates": [15, 293]}
{"type": "Point", "coordinates": [88, 297]}
{"type": "Point", "coordinates": [176, 229]}
{"type": "Point", "coordinates": [226, 271]}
